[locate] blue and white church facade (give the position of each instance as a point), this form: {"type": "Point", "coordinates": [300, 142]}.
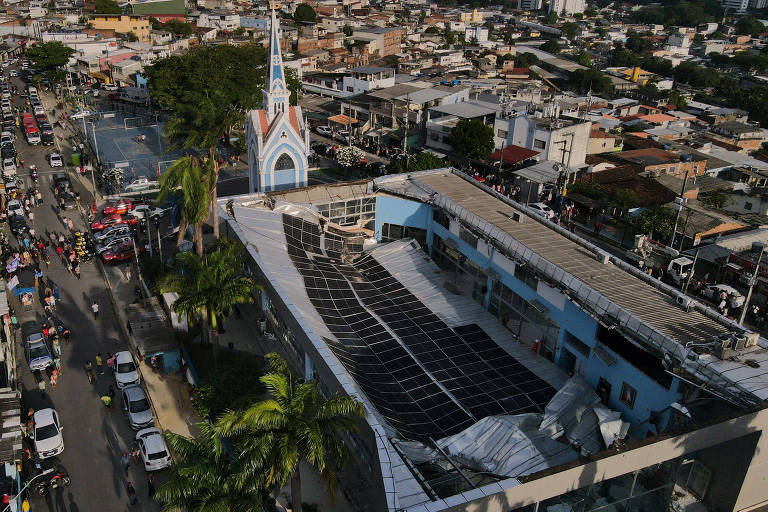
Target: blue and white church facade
{"type": "Point", "coordinates": [276, 135]}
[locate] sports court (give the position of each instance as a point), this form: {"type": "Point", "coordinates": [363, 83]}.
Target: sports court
{"type": "Point", "coordinates": [115, 135]}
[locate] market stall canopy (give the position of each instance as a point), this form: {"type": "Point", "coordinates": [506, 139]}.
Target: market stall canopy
{"type": "Point", "coordinates": [150, 327]}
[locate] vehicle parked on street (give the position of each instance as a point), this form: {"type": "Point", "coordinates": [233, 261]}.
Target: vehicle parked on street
{"type": "Point", "coordinates": [81, 114]}
{"type": "Point", "coordinates": [112, 243]}
{"type": "Point", "coordinates": [33, 136]}
{"type": "Point", "coordinates": [152, 448]}
{"type": "Point", "coordinates": [37, 351]}
{"type": "Point", "coordinates": [542, 210]}
{"type": "Point", "coordinates": [325, 131]}
{"type": "Point", "coordinates": [112, 231]}
{"type": "Point", "coordinates": [111, 220]}
{"type": "Point", "coordinates": [119, 206]}
{"type": "Point", "coordinates": [18, 225]}
{"type": "Point", "coordinates": [126, 372]}
{"type": "Point", "coordinates": [47, 433]}
{"type": "Point", "coordinates": [712, 291]}
{"type": "Point", "coordinates": [136, 405]}
{"type": "Point", "coordinates": [69, 200]}
{"type": "Point", "coordinates": [144, 211]}
{"type": "Point", "coordinates": [140, 184]}
{"type": "Point", "coordinates": [9, 167]}
{"type": "Point", "coordinates": [15, 208]}
{"type": "Point", "coordinates": [123, 252]}
{"type": "Point", "coordinates": [56, 479]}
{"type": "Point", "coordinates": [61, 181]}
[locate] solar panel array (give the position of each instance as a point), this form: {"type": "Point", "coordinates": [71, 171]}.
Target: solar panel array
{"type": "Point", "coordinates": [481, 375]}
{"type": "Point", "coordinates": [477, 373]}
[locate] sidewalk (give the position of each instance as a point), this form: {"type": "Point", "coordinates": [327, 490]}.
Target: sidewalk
{"type": "Point", "coordinates": [168, 392]}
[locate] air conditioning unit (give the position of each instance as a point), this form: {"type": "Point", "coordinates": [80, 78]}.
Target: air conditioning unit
{"type": "Point", "coordinates": [602, 258]}
{"type": "Point", "coordinates": [752, 338]}
{"type": "Point", "coordinates": [739, 341]}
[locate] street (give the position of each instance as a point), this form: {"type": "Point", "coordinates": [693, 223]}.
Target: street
{"type": "Point", "coordinates": [94, 436]}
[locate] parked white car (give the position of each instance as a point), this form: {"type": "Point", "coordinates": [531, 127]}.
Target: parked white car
{"type": "Point", "coordinates": [136, 405]}
{"type": "Point", "coordinates": [81, 114]}
{"type": "Point", "coordinates": [47, 433]}
{"type": "Point", "coordinates": [126, 373]}
{"type": "Point", "coordinates": [153, 450]}
{"type": "Point", "coordinates": [15, 208]}
{"type": "Point", "coordinates": [54, 159]}
{"type": "Point", "coordinates": [9, 167]}
{"type": "Point", "coordinates": [543, 210]}
{"type": "Point", "coordinates": [325, 131]}
{"type": "Point", "coordinates": [712, 291]}
{"type": "Point", "coordinates": [145, 211]}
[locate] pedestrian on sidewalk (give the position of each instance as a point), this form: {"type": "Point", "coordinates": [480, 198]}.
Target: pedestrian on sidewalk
{"type": "Point", "coordinates": [66, 333]}
{"type": "Point", "coordinates": [56, 346]}
{"type": "Point", "coordinates": [125, 460]}
{"type": "Point", "coordinates": [128, 273]}
{"type": "Point", "coordinates": [99, 364]}
{"type": "Point", "coordinates": [150, 485]}
{"type": "Point", "coordinates": [111, 362]}
{"type": "Point", "coordinates": [131, 493]}
{"type": "Point", "coordinates": [95, 309]}
{"type": "Point", "coordinates": [54, 378]}
{"type": "Point", "coordinates": [41, 384]}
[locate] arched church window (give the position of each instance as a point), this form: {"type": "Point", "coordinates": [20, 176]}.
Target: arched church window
{"type": "Point", "coordinates": [284, 163]}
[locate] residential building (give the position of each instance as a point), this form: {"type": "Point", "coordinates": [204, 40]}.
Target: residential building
{"type": "Point", "coordinates": [745, 136]}
{"type": "Point", "coordinates": [602, 142]}
{"type": "Point", "coordinates": [736, 6]}
{"type": "Point", "coordinates": [505, 364]}
{"type": "Point", "coordinates": [478, 33]}
{"type": "Point", "coordinates": [440, 120]}
{"type": "Point", "coordinates": [277, 138]}
{"type": "Point", "coordinates": [567, 6]}
{"type": "Point", "coordinates": [123, 25]}
{"type": "Point", "coordinates": [658, 161]}
{"type": "Point", "coordinates": [529, 5]}
{"type": "Point", "coordinates": [562, 140]}
{"type": "Point", "coordinates": [475, 17]}
{"type": "Point", "coordinates": [386, 40]}
{"type": "Point", "coordinates": [220, 21]}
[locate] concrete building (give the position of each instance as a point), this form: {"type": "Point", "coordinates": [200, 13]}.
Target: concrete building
{"type": "Point", "coordinates": [478, 33]}
{"type": "Point", "coordinates": [529, 5]}
{"type": "Point", "coordinates": [567, 6]}
{"type": "Point", "coordinates": [355, 81]}
{"type": "Point", "coordinates": [220, 21]}
{"type": "Point", "coordinates": [474, 17]}
{"type": "Point", "coordinates": [735, 6]}
{"type": "Point", "coordinates": [386, 40]}
{"type": "Point", "coordinates": [123, 24]}
{"type": "Point", "coordinates": [458, 316]}
{"type": "Point", "coordinates": [562, 140]}
{"type": "Point", "coordinates": [658, 161]}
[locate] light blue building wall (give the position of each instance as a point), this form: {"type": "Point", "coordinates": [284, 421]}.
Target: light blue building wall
{"type": "Point", "coordinates": [576, 347]}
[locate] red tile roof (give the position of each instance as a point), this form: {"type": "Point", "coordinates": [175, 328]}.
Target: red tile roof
{"type": "Point", "coordinates": [513, 154]}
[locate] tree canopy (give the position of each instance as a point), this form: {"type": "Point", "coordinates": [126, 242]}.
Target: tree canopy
{"type": "Point", "coordinates": [304, 13]}
{"type": "Point", "coordinates": [472, 138]}
{"type": "Point", "coordinates": [656, 222]}
{"type": "Point", "coordinates": [550, 18]}
{"type": "Point", "coordinates": [50, 57]}
{"type": "Point", "coordinates": [569, 29]}
{"type": "Point", "coordinates": [177, 27]}
{"type": "Point", "coordinates": [552, 47]}
{"type": "Point", "coordinates": [107, 7]}
{"type": "Point", "coordinates": [584, 59]}
{"type": "Point", "coordinates": [526, 60]}
{"type": "Point", "coordinates": [419, 162]}
{"type": "Point", "coordinates": [749, 26]}
{"type": "Point", "coordinates": [584, 80]}
{"type": "Point", "coordinates": [684, 13]}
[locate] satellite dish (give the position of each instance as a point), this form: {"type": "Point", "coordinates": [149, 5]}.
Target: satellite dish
{"type": "Point", "coordinates": [557, 167]}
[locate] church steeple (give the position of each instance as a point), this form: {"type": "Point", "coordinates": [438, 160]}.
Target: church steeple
{"type": "Point", "coordinates": [276, 96]}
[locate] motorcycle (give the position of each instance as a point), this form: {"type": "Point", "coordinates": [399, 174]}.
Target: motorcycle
{"type": "Point", "coordinates": [58, 479]}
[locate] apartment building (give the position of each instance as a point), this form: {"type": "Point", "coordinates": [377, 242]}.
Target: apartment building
{"type": "Point", "coordinates": [220, 21]}
{"type": "Point", "coordinates": [386, 40]}
{"type": "Point", "coordinates": [123, 25]}
{"type": "Point", "coordinates": [562, 140]}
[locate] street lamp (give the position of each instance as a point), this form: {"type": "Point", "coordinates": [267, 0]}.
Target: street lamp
{"type": "Point", "coordinates": [756, 246]}
{"type": "Point", "coordinates": [47, 471]}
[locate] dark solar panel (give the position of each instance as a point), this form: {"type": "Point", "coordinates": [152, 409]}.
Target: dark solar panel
{"type": "Point", "coordinates": [476, 372]}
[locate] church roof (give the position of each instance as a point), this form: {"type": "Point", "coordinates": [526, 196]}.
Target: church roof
{"type": "Point", "coordinates": [265, 126]}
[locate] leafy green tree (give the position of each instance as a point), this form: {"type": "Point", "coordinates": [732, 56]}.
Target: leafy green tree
{"type": "Point", "coordinates": [625, 198]}
{"type": "Point", "coordinates": [678, 100]}
{"type": "Point", "coordinates": [552, 47]}
{"type": "Point", "coordinates": [304, 13]}
{"type": "Point", "coordinates": [638, 43]}
{"type": "Point", "coordinates": [422, 161]}
{"type": "Point", "coordinates": [232, 385]}
{"type": "Point", "coordinates": [472, 138]}
{"type": "Point", "coordinates": [584, 80]}
{"type": "Point", "coordinates": [450, 37]}
{"type": "Point", "coordinates": [131, 36]}
{"type": "Point", "coordinates": [50, 57]}
{"type": "Point", "coordinates": [621, 57]}
{"type": "Point", "coordinates": [107, 7]}
{"type": "Point", "coordinates": [550, 18]}
{"type": "Point", "coordinates": [569, 29]}
{"type": "Point", "coordinates": [208, 475]}
{"type": "Point", "coordinates": [178, 27]}
{"type": "Point", "coordinates": [187, 178]}
{"type": "Point", "coordinates": [490, 26]}
{"type": "Point", "coordinates": [155, 23]}
{"type": "Point", "coordinates": [208, 90]}
{"type": "Point", "coordinates": [716, 198]}
{"type": "Point", "coordinates": [590, 13]}
{"type": "Point", "coordinates": [238, 32]}
{"type": "Point", "coordinates": [297, 424]}
{"type": "Point", "coordinates": [584, 59]}
{"type": "Point", "coordinates": [348, 31]}
{"type": "Point", "coordinates": [657, 222]}
{"type": "Point", "coordinates": [526, 60]}
{"type": "Point", "coordinates": [717, 35]}
{"type": "Point", "coordinates": [432, 30]}
{"type": "Point", "coordinates": [209, 286]}
{"type": "Point", "coordinates": [422, 16]}
{"type": "Point", "coordinates": [749, 26]}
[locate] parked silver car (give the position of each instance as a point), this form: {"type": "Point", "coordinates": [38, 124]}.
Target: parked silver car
{"type": "Point", "coordinates": [136, 405]}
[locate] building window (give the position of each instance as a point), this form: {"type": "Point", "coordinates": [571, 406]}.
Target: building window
{"type": "Point", "coordinates": [628, 395]}
{"type": "Point", "coordinates": [539, 144]}
{"type": "Point", "coordinates": [468, 237]}
{"type": "Point", "coordinates": [502, 134]}
{"type": "Point", "coordinates": [284, 163]}
{"type": "Point", "coordinates": [747, 205]}
{"type": "Point", "coordinates": [526, 275]}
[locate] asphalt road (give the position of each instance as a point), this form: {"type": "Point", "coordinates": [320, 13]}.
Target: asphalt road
{"type": "Point", "coordinates": [94, 436]}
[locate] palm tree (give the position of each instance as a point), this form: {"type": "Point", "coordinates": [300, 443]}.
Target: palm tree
{"type": "Point", "coordinates": [297, 423]}
{"type": "Point", "coordinates": [205, 476]}
{"type": "Point", "coordinates": [189, 177]}
{"type": "Point", "coordinates": [210, 285]}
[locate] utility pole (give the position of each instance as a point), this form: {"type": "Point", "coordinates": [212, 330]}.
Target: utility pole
{"type": "Point", "coordinates": [679, 207]}
{"type": "Point", "coordinates": [405, 128]}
